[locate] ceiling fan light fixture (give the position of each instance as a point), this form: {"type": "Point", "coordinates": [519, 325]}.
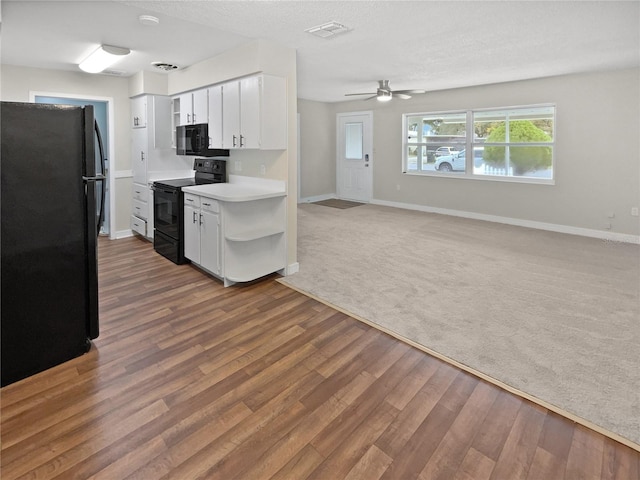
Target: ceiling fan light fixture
{"type": "Point", "coordinates": [384, 96]}
{"type": "Point", "coordinates": [103, 57]}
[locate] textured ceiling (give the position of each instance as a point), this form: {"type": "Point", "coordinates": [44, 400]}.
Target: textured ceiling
{"type": "Point", "coordinates": [429, 45]}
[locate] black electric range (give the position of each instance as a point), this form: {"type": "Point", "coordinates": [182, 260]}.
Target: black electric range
{"type": "Point", "coordinates": [168, 206]}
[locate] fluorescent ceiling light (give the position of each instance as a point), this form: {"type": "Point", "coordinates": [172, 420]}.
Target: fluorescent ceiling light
{"type": "Point", "coordinates": [103, 57]}
{"type": "Point", "coordinates": [383, 96]}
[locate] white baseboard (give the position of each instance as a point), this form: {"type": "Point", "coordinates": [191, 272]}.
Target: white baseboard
{"type": "Point", "coordinates": [291, 268]}
{"type": "Point", "coordinates": [123, 234]}
{"type": "Point", "coordinates": [318, 198]}
{"type": "Point", "coordinates": [552, 227]}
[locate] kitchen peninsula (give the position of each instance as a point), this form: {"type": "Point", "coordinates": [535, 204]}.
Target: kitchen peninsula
{"type": "Point", "coordinates": [236, 231]}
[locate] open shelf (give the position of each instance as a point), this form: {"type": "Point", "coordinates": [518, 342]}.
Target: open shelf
{"type": "Point", "coordinates": [254, 234]}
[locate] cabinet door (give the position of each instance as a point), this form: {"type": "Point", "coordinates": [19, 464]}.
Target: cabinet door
{"type": "Point", "coordinates": [215, 117]}
{"type": "Point", "coordinates": [210, 241]}
{"type": "Point", "coordinates": [139, 155]}
{"type": "Point", "coordinates": [139, 112]}
{"type": "Point", "coordinates": [186, 108]}
{"type": "Point", "coordinates": [192, 233]}
{"type": "Point", "coordinates": [231, 115]}
{"type": "Point", "coordinates": [200, 107]}
{"type": "Point", "coordinates": [250, 112]}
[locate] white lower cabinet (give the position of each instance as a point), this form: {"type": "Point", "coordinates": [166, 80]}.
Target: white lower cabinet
{"type": "Point", "coordinates": [138, 225]}
{"type": "Point", "coordinates": [237, 241]}
{"type": "Point", "coordinates": [202, 232]}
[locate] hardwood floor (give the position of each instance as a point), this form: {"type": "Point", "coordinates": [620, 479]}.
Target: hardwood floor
{"type": "Point", "coordinates": [191, 380]}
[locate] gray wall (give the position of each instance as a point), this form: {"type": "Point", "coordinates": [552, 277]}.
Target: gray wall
{"type": "Point", "coordinates": [597, 155]}
{"type": "Point", "coordinates": [317, 148]}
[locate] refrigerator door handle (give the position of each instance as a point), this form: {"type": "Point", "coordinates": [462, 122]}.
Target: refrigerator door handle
{"type": "Point", "coordinates": [100, 176]}
{"type": "Point", "coordinates": [95, 178]}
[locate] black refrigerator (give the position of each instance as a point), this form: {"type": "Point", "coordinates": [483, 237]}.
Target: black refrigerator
{"type": "Point", "coordinates": [52, 198]}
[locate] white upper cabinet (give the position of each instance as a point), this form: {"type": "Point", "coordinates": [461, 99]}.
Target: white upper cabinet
{"type": "Point", "coordinates": [139, 112]}
{"type": "Point", "coordinates": [215, 117]}
{"type": "Point", "coordinates": [254, 113]}
{"type": "Point", "coordinates": [200, 106]}
{"type": "Point", "coordinates": [231, 115]}
{"type": "Point", "coordinates": [193, 107]}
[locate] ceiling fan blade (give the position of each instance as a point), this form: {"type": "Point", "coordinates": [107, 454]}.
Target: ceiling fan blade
{"type": "Point", "coordinates": [415, 92]}
{"type": "Point", "coordinates": [351, 94]}
{"type": "Point", "coordinates": [374, 96]}
{"type": "Point", "coordinates": [403, 96]}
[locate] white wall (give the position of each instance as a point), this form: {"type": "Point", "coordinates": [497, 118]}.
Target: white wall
{"type": "Point", "coordinates": [17, 82]}
{"type": "Point", "coordinates": [597, 154]}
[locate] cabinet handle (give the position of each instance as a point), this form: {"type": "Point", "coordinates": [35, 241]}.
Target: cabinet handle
{"type": "Point", "coordinates": [189, 199]}
{"type": "Point", "coordinates": [241, 140]}
{"type": "Point", "coordinates": [200, 219]}
{"type": "Point", "coordinates": [193, 118]}
{"type": "Point", "coordinates": [188, 118]}
{"type": "Point", "coordinates": [234, 140]}
{"type": "Point", "coordinates": [142, 156]}
{"type": "Point", "coordinates": [195, 217]}
{"type": "Point", "coordinates": [206, 204]}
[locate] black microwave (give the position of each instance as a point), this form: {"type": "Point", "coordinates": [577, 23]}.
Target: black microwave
{"type": "Point", "coordinates": [194, 140]}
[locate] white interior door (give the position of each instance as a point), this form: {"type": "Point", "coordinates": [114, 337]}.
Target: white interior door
{"type": "Point", "coordinates": [354, 156]}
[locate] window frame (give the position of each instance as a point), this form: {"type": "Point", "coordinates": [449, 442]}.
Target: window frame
{"type": "Point", "coordinates": [468, 173]}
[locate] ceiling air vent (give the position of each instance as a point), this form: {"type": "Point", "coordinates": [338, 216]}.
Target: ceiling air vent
{"type": "Point", "coordinates": [167, 67]}
{"type": "Point", "coordinates": [327, 30]}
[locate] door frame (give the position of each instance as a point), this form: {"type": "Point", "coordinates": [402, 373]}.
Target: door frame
{"type": "Point", "coordinates": [366, 148]}
{"type": "Point", "coordinates": [112, 147]}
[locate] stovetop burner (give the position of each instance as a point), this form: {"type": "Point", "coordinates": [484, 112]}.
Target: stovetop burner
{"type": "Point", "coordinates": [176, 182]}
{"type": "Point", "coordinates": [207, 170]}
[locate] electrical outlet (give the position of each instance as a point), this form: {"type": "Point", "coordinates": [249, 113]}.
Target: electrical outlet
{"type": "Point", "coordinates": [263, 169]}
{"type": "Point", "coordinates": [611, 215]}
{"type": "Point", "coordinates": [634, 211]}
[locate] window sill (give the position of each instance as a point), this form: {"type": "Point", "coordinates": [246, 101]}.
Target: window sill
{"type": "Point", "coordinates": [484, 178]}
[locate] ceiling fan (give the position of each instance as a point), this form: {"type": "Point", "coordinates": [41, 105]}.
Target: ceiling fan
{"type": "Point", "coordinates": [384, 92]}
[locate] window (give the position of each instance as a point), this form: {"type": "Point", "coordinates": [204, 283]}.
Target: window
{"type": "Point", "coordinates": [353, 141]}
{"type": "Point", "coordinates": [431, 137]}
{"type": "Point", "coordinates": [514, 143]}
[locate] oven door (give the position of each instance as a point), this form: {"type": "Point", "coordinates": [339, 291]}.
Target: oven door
{"type": "Point", "coordinates": [167, 210]}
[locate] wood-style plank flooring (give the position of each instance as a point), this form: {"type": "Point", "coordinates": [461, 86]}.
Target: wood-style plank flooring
{"type": "Point", "coordinates": [191, 380]}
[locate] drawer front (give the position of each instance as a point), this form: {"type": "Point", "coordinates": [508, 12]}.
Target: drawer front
{"type": "Point", "coordinates": [139, 225]}
{"type": "Point", "coordinates": [141, 209]}
{"type": "Point", "coordinates": [191, 199]}
{"type": "Point", "coordinates": [209, 204]}
{"type": "Point", "coordinates": [140, 192]}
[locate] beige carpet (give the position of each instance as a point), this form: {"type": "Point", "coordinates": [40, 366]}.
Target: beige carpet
{"type": "Point", "coordinates": [555, 316]}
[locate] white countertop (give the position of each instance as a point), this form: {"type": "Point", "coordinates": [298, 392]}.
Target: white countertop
{"type": "Point", "coordinates": [240, 189]}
